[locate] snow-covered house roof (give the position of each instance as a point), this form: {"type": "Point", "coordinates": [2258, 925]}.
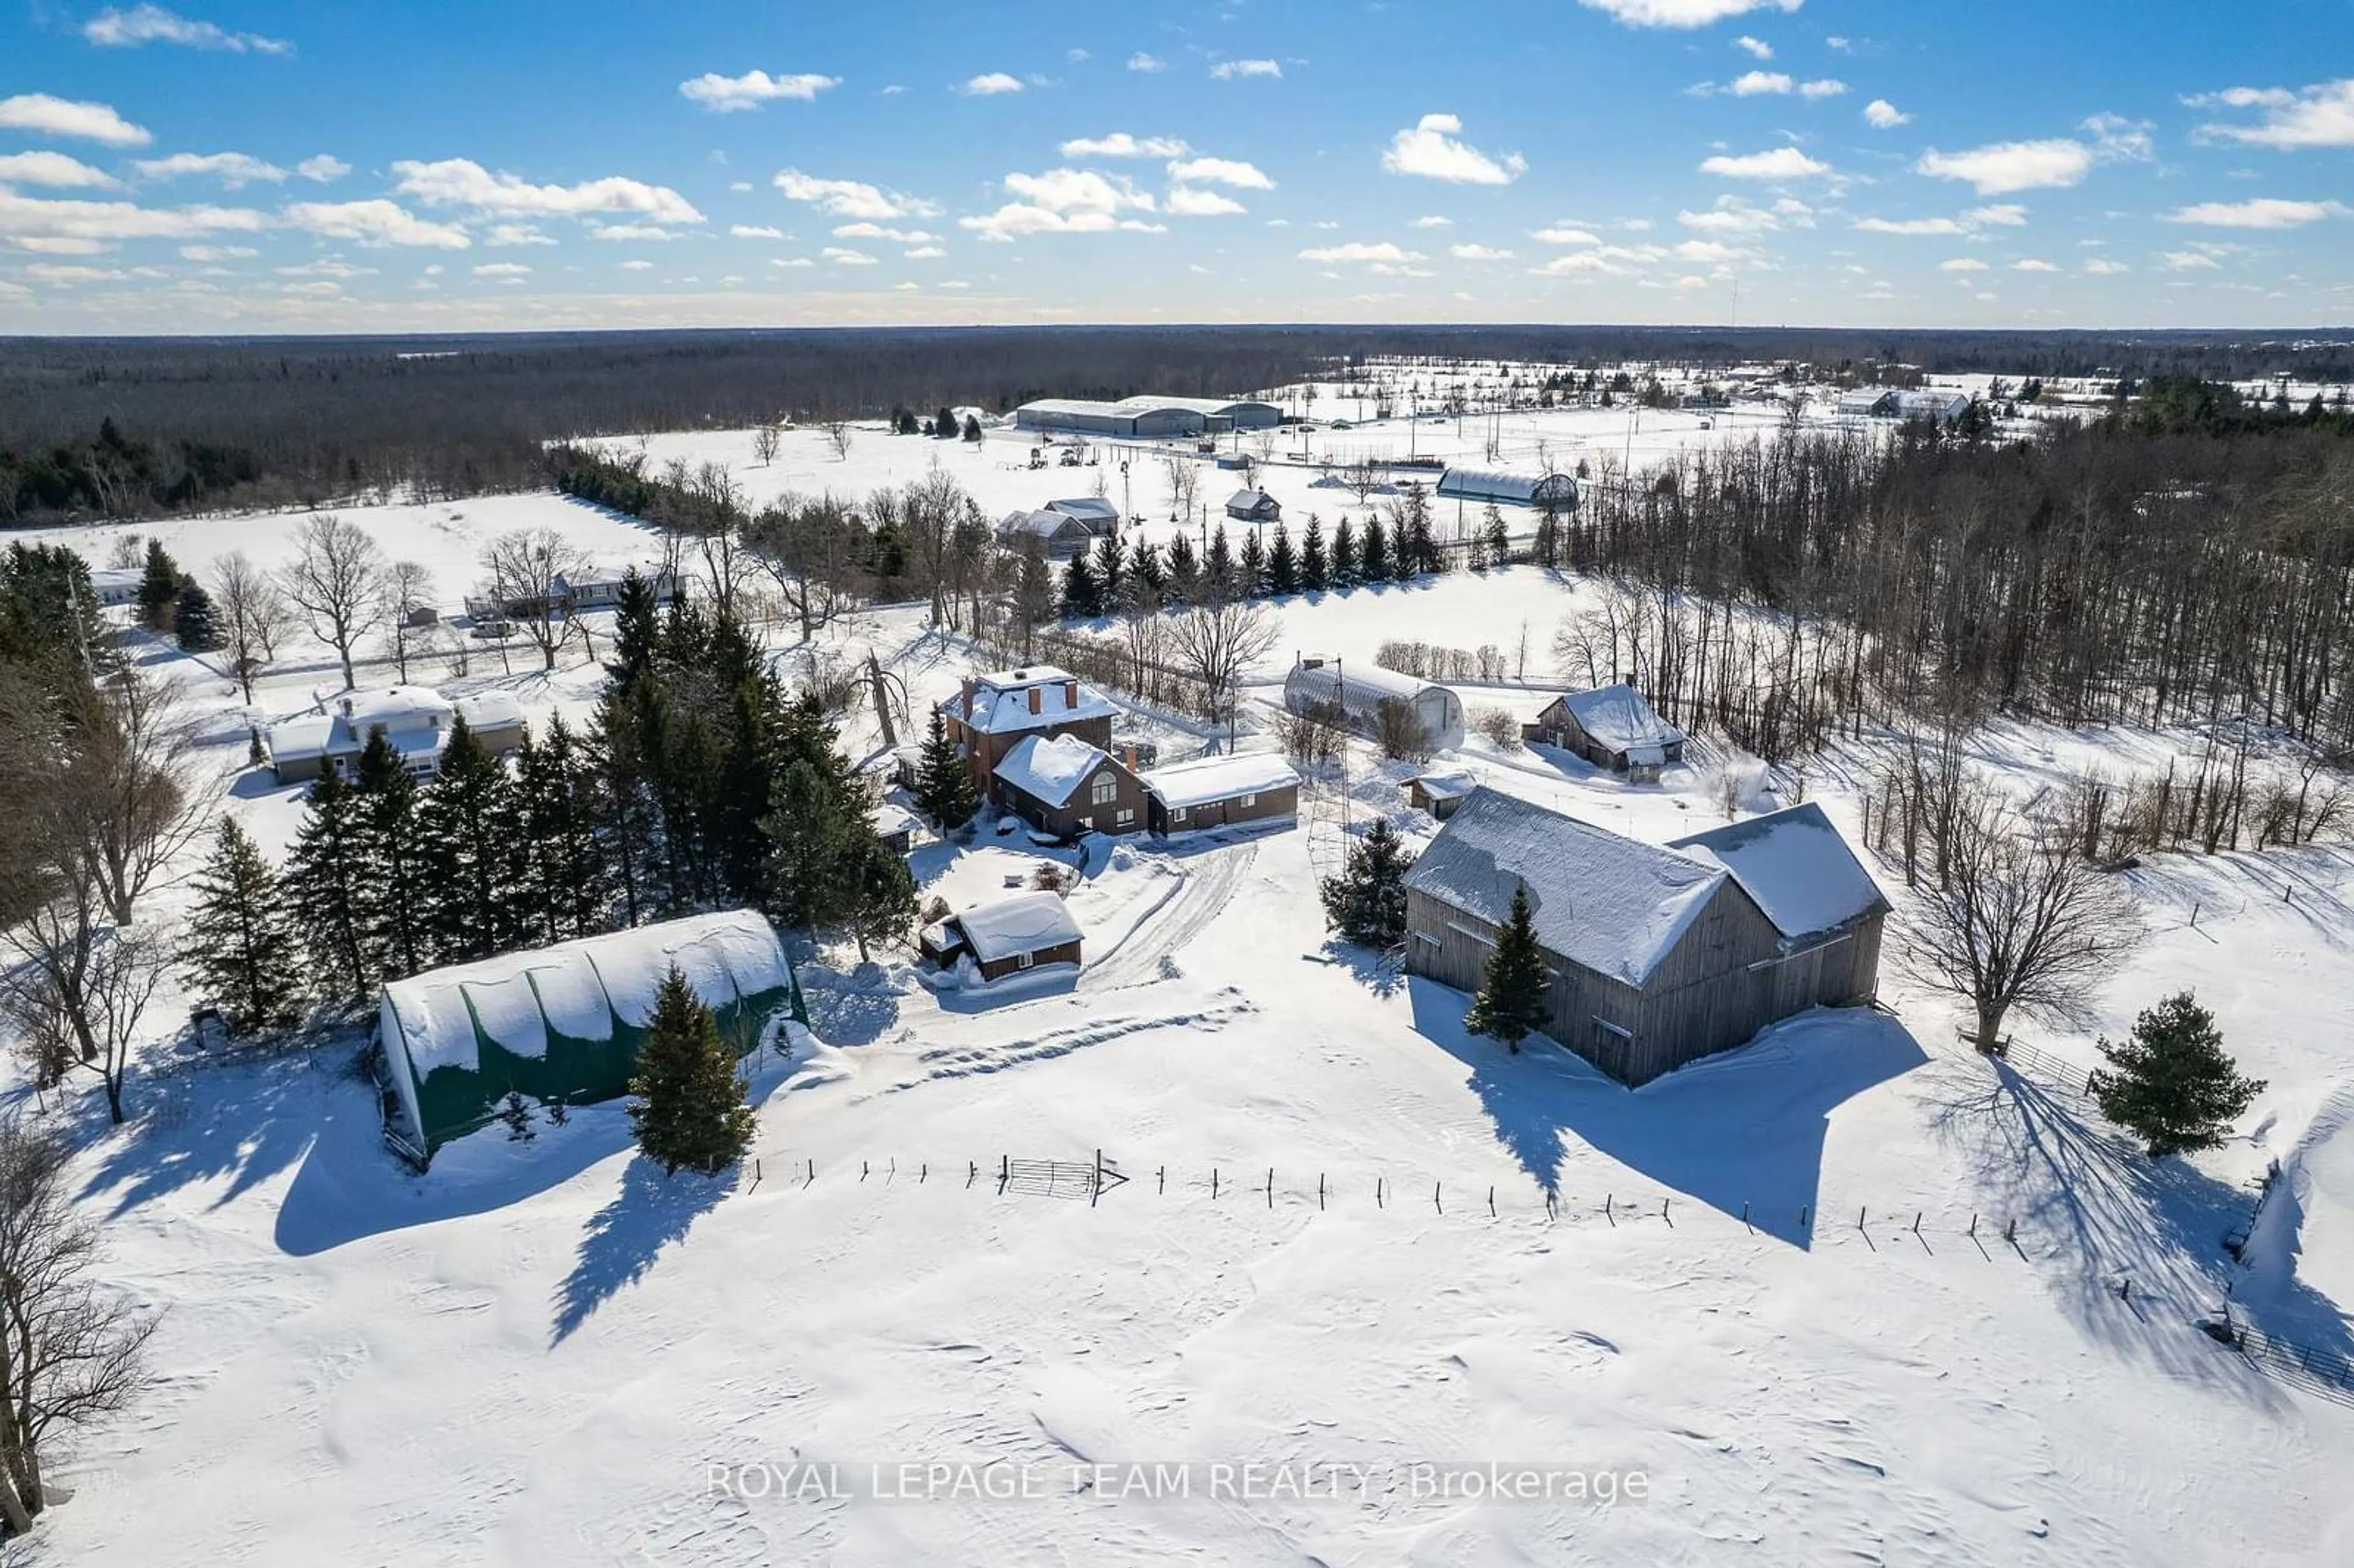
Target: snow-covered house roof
{"type": "Point", "coordinates": [117, 585]}
{"type": "Point", "coordinates": [890, 819]}
{"type": "Point", "coordinates": [1049, 767]}
{"type": "Point", "coordinates": [1622, 718]}
{"type": "Point", "coordinates": [1252, 501]}
{"type": "Point", "coordinates": [1863, 401]}
{"type": "Point", "coordinates": [1025, 922]}
{"type": "Point", "coordinates": [1088, 509]}
{"type": "Point", "coordinates": [999, 703]}
{"type": "Point", "coordinates": [1795, 866]}
{"type": "Point", "coordinates": [1925, 403]}
{"type": "Point", "coordinates": [1046, 527]}
{"type": "Point", "coordinates": [1612, 905]}
{"type": "Point", "coordinates": [1208, 778]}
{"type": "Point", "coordinates": [1446, 785]}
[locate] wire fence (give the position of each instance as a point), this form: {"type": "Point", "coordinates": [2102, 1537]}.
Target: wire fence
{"type": "Point", "coordinates": [2326, 1372]}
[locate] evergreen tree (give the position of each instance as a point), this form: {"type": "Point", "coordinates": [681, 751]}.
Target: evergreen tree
{"type": "Point", "coordinates": [471, 829]}
{"type": "Point", "coordinates": [241, 950]}
{"type": "Point", "coordinates": [1374, 554]}
{"type": "Point", "coordinates": [1499, 538]}
{"type": "Point", "coordinates": [1082, 593]}
{"type": "Point", "coordinates": [1184, 570]}
{"type": "Point", "coordinates": [194, 620]}
{"type": "Point", "coordinates": [1111, 569]}
{"type": "Point", "coordinates": [390, 888]}
{"type": "Point", "coordinates": [1416, 548]}
{"type": "Point", "coordinates": [622, 805]}
{"type": "Point", "coordinates": [159, 588]}
{"type": "Point", "coordinates": [1315, 570]}
{"type": "Point", "coordinates": [1344, 554]}
{"type": "Point", "coordinates": [637, 629]}
{"type": "Point", "coordinates": [325, 890]}
{"type": "Point", "coordinates": [1282, 565]}
{"type": "Point", "coordinates": [1218, 564]}
{"type": "Point", "coordinates": [1512, 986]}
{"type": "Point", "coordinates": [1148, 578]}
{"type": "Point", "coordinates": [2171, 1084]}
{"type": "Point", "coordinates": [944, 787]}
{"type": "Point", "coordinates": [972, 427]}
{"type": "Point", "coordinates": [689, 1105]}
{"type": "Point", "coordinates": [563, 880]}
{"type": "Point", "coordinates": [1366, 903]}
{"type": "Point", "coordinates": [1250, 575]}
{"type": "Point", "coordinates": [945, 426]}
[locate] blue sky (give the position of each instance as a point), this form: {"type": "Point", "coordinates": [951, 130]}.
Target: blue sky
{"type": "Point", "coordinates": [255, 167]}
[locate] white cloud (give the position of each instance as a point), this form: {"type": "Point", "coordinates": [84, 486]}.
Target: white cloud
{"type": "Point", "coordinates": [1682, 13]}
{"type": "Point", "coordinates": [43, 115]}
{"type": "Point", "coordinates": [232, 169]}
{"type": "Point", "coordinates": [52, 169]}
{"type": "Point", "coordinates": [1227, 71]}
{"type": "Point", "coordinates": [1911, 225]}
{"type": "Point", "coordinates": [1707, 250]}
{"type": "Point", "coordinates": [462, 182]}
{"type": "Point", "coordinates": [2033, 264]}
{"type": "Point", "coordinates": [1432, 151]}
{"type": "Point", "coordinates": [1432, 221]}
{"type": "Point", "coordinates": [1476, 252]}
{"type": "Point", "coordinates": [731, 94]}
{"type": "Point", "coordinates": [373, 222]}
{"type": "Point", "coordinates": [1221, 171]}
{"type": "Point", "coordinates": [1882, 115]}
{"type": "Point", "coordinates": [852, 198]}
{"type": "Point", "coordinates": [330, 267]}
{"type": "Point", "coordinates": [791, 261]}
{"type": "Point", "coordinates": [506, 234]}
{"type": "Point", "coordinates": [112, 28]}
{"type": "Point", "coordinates": [2000, 215]}
{"type": "Point", "coordinates": [1142, 61]}
{"type": "Point", "coordinates": [65, 275]}
{"type": "Point", "coordinates": [1188, 201]}
{"type": "Point", "coordinates": [989, 84]}
{"type": "Point", "coordinates": [1780, 164]}
{"type": "Point", "coordinates": [2102, 267]}
{"type": "Point", "coordinates": [925, 253]}
{"type": "Point", "coordinates": [755, 231]}
{"type": "Point", "coordinates": [24, 217]}
{"type": "Point", "coordinates": [864, 230]}
{"type": "Point", "coordinates": [1823, 87]}
{"type": "Point", "coordinates": [1731, 215]}
{"type": "Point", "coordinates": [218, 253]}
{"type": "Point", "coordinates": [2317, 116]}
{"type": "Point", "coordinates": [323, 168]}
{"type": "Point", "coordinates": [1962, 264]}
{"type": "Point", "coordinates": [842, 256]}
{"type": "Point", "coordinates": [1758, 47]}
{"type": "Point", "coordinates": [2004, 166]}
{"type": "Point", "coordinates": [627, 232]}
{"type": "Point", "coordinates": [1121, 144]}
{"type": "Point", "coordinates": [1566, 234]}
{"type": "Point", "coordinates": [637, 266]}
{"type": "Point", "coordinates": [2263, 212]}
{"type": "Point", "coordinates": [1065, 201]}
{"type": "Point", "coordinates": [1381, 251]}
{"type": "Point", "coordinates": [1757, 83]}
{"type": "Point", "coordinates": [2187, 261]}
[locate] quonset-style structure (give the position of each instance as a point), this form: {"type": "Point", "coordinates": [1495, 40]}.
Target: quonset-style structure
{"type": "Point", "coordinates": [1147, 418]}
{"type": "Point", "coordinates": [1545, 490]}
{"type": "Point", "coordinates": [564, 1022]}
{"type": "Point", "coordinates": [1356, 691]}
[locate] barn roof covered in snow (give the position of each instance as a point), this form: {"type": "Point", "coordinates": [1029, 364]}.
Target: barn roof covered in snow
{"type": "Point", "coordinates": [1621, 718]}
{"type": "Point", "coordinates": [1049, 769]}
{"type": "Point", "coordinates": [1609, 903]}
{"type": "Point", "coordinates": [1794, 865]}
{"type": "Point", "coordinates": [1025, 922]}
{"type": "Point", "coordinates": [1208, 778]}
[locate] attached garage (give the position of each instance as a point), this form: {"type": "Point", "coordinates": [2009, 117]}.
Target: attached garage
{"type": "Point", "coordinates": [564, 1023]}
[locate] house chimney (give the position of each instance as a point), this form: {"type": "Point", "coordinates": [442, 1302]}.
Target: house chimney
{"type": "Point", "coordinates": [968, 699]}
{"type": "Point", "coordinates": [1131, 757]}
{"type": "Point", "coordinates": [1071, 696]}
{"type": "Point", "coordinates": [1033, 699]}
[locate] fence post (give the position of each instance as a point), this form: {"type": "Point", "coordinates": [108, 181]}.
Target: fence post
{"type": "Point", "coordinates": [1270, 1186]}
{"type": "Point", "coordinates": [1319, 1191]}
{"type": "Point", "coordinates": [1744, 1221]}
{"type": "Point", "coordinates": [812, 1171]}
{"type": "Point", "coordinates": [1492, 1202]}
{"type": "Point", "coordinates": [1606, 1213]}
{"type": "Point", "coordinates": [1663, 1212]}
{"type": "Point", "coordinates": [1161, 1177]}
{"type": "Point", "coordinates": [1214, 1180]}
{"type": "Point", "coordinates": [1434, 1198]}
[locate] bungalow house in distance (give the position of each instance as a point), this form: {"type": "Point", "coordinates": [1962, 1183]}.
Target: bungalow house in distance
{"type": "Point", "coordinates": [1027, 931]}
{"type": "Point", "coordinates": [1253, 505]}
{"type": "Point", "coordinates": [1059, 537]}
{"type": "Point", "coordinates": [994, 713]}
{"type": "Point", "coordinates": [1610, 727]}
{"type": "Point", "coordinates": [417, 720]}
{"type": "Point", "coordinates": [1062, 786]}
{"type": "Point", "coordinates": [1655, 956]}
{"type": "Point", "coordinates": [116, 586]}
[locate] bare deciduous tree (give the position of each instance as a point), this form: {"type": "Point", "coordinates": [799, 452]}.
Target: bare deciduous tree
{"type": "Point", "coordinates": [524, 570]}
{"type": "Point", "coordinates": [254, 616]}
{"type": "Point", "coordinates": [408, 606]}
{"type": "Point", "coordinates": [336, 579]}
{"type": "Point", "coordinates": [765, 442]}
{"type": "Point", "coordinates": [69, 1352]}
{"type": "Point", "coordinates": [810, 547]}
{"type": "Point", "coordinates": [837, 436]}
{"type": "Point", "coordinates": [1216, 643]}
{"type": "Point", "coordinates": [2017, 920]}
{"type": "Point", "coordinates": [1184, 476]}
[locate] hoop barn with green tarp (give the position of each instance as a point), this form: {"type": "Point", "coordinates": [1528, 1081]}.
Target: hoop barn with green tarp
{"type": "Point", "coordinates": [566, 1021]}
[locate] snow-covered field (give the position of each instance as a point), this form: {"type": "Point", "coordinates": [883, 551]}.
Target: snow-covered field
{"type": "Point", "coordinates": [544, 1353]}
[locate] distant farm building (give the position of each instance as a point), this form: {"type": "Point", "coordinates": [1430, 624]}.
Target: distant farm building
{"type": "Point", "coordinates": [1655, 957]}
{"type": "Point", "coordinates": [1355, 695]}
{"type": "Point", "coordinates": [1253, 505]}
{"type": "Point", "coordinates": [1240, 789]}
{"type": "Point", "coordinates": [1148, 417]}
{"type": "Point", "coordinates": [1027, 931]}
{"type": "Point", "coordinates": [1610, 727]}
{"type": "Point", "coordinates": [1895, 403]}
{"type": "Point", "coordinates": [416, 720]}
{"type": "Point", "coordinates": [116, 586]}
{"type": "Point", "coordinates": [599, 587]}
{"type": "Point", "coordinates": [1058, 535]}
{"type": "Point", "coordinates": [1558, 491]}
{"type": "Point", "coordinates": [1441, 794]}
{"type": "Point", "coordinates": [564, 1022]}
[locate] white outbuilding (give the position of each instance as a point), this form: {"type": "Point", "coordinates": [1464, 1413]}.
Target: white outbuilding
{"type": "Point", "coordinates": [1358, 692]}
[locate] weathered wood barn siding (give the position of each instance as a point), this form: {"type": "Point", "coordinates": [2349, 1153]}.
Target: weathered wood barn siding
{"type": "Point", "coordinates": [1724, 980]}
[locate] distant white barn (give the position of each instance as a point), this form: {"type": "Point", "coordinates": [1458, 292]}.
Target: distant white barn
{"type": "Point", "coordinates": [1148, 417]}
{"type": "Point", "coordinates": [1557, 489]}
{"type": "Point", "coordinates": [1358, 691]}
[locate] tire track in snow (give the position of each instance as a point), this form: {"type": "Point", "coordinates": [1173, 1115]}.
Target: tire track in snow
{"type": "Point", "coordinates": [1208, 887]}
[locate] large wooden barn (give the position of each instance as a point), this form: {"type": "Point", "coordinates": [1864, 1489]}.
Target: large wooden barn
{"type": "Point", "coordinates": [1657, 955]}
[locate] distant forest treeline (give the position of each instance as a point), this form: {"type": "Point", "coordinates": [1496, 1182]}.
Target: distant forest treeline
{"type": "Point", "coordinates": [96, 426]}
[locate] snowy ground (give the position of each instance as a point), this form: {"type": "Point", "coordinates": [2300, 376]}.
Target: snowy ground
{"type": "Point", "coordinates": [538, 1351]}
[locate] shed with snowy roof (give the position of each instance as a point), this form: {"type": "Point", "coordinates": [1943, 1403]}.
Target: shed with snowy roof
{"type": "Point", "coordinates": [566, 1021]}
{"type": "Point", "coordinates": [1611, 727]}
{"type": "Point", "coordinates": [1027, 931]}
{"type": "Point", "coordinates": [1656, 956]}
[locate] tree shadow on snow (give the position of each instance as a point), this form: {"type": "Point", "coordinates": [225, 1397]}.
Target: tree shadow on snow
{"type": "Point", "coordinates": [1742, 1131]}
{"type": "Point", "coordinates": [2108, 1214]}
{"type": "Point", "coordinates": [624, 1239]}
